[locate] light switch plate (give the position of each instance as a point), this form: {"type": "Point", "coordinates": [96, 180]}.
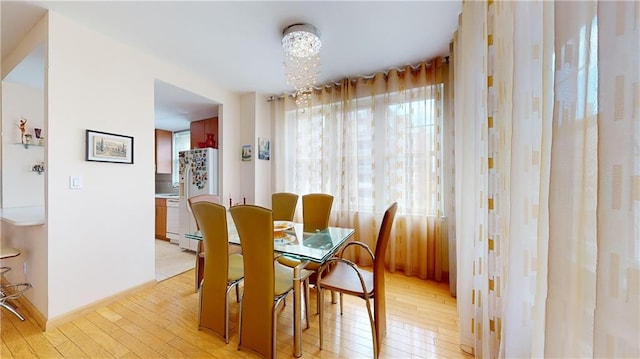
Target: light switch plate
{"type": "Point", "coordinates": [75, 182]}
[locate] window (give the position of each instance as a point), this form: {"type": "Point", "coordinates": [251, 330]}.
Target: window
{"type": "Point", "coordinates": [181, 142]}
{"type": "Point", "coordinates": [384, 148]}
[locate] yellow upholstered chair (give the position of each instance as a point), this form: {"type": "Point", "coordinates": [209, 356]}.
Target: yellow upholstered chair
{"type": "Point", "coordinates": [283, 205]}
{"type": "Point", "coordinates": [222, 271]}
{"type": "Point", "coordinates": [233, 249]}
{"type": "Point", "coordinates": [347, 278]}
{"type": "Point", "coordinates": [316, 211]}
{"type": "Point", "coordinates": [266, 281]}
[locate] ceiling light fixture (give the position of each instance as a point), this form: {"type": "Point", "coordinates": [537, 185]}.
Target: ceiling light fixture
{"type": "Point", "coordinates": [301, 44]}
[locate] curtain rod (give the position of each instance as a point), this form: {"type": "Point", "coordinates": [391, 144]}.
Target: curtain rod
{"type": "Point", "coordinates": [445, 59]}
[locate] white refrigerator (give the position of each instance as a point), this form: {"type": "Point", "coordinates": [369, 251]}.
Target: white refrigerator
{"type": "Point", "coordinates": [198, 175]}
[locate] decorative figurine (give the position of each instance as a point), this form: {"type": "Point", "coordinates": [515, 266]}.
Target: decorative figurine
{"type": "Point", "coordinates": [23, 128]}
{"type": "Point", "coordinates": [38, 168]}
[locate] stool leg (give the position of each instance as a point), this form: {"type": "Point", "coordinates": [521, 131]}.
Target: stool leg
{"type": "Point", "coordinates": [12, 292]}
{"type": "Point", "coordinates": [13, 310]}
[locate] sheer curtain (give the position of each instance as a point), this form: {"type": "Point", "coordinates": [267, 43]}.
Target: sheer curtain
{"type": "Point", "coordinates": [370, 142]}
{"type": "Point", "coordinates": [547, 146]}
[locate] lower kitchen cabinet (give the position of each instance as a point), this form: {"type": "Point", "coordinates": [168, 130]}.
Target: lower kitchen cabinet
{"type": "Point", "coordinates": [161, 218]}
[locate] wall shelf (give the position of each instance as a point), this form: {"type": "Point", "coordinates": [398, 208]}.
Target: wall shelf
{"type": "Point", "coordinates": [27, 145]}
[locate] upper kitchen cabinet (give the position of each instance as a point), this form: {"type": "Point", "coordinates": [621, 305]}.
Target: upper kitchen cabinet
{"type": "Point", "coordinates": [164, 151]}
{"type": "Point", "coordinates": [204, 133]}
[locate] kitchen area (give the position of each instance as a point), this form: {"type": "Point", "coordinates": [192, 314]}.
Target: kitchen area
{"type": "Point", "coordinates": [186, 164]}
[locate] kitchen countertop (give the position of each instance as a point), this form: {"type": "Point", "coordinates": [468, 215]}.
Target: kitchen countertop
{"type": "Point", "coordinates": [23, 216]}
{"type": "Point", "coordinates": [167, 195]}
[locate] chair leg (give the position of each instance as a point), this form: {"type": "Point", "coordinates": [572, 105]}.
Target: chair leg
{"type": "Point", "coordinates": [226, 314]}
{"type": "Point", "coordinates": [275, 327]}
{"type": "Point", "coordinates": [373, 329]}
{"type": "Point", "coordinates": [321, 314]}
{"type": "Point", "coordinates": [226, 317]}
{"type": "Point", "coordinates": [340, 303]}
{"type": "Point", "coordinates": [199, 269]}
{"type": "Point", "coordinates": [240, 327]}
{"type": "Point", "coordinates": [306, 300]}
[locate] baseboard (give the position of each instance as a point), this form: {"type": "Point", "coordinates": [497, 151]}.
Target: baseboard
{"type": "Point", "coordinates": [65, 318]}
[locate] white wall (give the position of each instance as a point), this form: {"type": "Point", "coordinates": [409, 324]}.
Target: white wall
{"type": "Point", "coordinates": [101, 236]}
{"type": "Point", "coordinates": [262, 174]}
{"type": "Point", "coordinates": [248, 137]}
{"type": "Point", "coordinates": [20, 186]}
{"type": "Point", "coordinates": [255, 175]}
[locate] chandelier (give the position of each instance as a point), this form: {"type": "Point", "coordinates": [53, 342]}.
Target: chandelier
{"type": "Point", "coordinates": [301, 44]}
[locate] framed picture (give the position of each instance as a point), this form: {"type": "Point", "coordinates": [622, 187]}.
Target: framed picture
{"type": "Point", "coordinates": [264, 149]}
{"type": "Point", "coordinates": [246, 152]}
{"type": "Point", "coordinates": [109, 147]}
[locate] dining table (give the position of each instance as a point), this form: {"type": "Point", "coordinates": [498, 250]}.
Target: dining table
{"type": "Point", "coordinates": [307, 247]}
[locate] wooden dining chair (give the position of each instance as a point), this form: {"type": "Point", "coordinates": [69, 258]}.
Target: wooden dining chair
{"type": "Point", "coordinates": [233, 249]}
{"type": "Point", "coordinates": [316, 212]}
{"type": "Point", "coordinates": [222, 271]}
{"type": "Point", "coordinates": [283, 205]}
{"type": "Point", "coordinates": [266, 282]}
{"type": "Point", "coordinates": [347, 278]}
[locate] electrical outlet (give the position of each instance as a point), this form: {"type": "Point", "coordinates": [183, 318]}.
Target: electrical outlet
{"type": "Point", "coordinates": [24, 267]}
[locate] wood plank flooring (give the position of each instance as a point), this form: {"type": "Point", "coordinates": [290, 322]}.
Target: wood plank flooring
{"type": "Point", "coordinates": [161, 322]}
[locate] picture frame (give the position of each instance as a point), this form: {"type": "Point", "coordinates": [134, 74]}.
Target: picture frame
{"type": "Point", "coordinates": [246, 152]}
{"type": "Point", "coordinates": [108, 147]}
{"type": "Point", "coordinates": [264, 149]}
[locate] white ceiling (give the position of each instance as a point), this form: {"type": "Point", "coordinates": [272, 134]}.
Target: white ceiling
{"type": "Point", "coordinates": [236, 45]}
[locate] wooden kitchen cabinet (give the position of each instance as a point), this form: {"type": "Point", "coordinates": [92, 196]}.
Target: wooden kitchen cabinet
{"type": "Point", "coordinates": [200, 129]}
{"type": "Point", "coordinates": [164, 151]}
{"type": "Point", "coordinates": [161, 219]}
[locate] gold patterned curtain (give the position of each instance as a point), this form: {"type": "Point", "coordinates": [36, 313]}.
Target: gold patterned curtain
{"type": "Point", "coordinates": [370, 142]}
{"type": "Point", "coordinates": [547, 134]}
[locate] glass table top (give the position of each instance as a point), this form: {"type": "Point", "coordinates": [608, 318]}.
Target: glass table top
{"type": "Point", "coordinates": [314, 246]}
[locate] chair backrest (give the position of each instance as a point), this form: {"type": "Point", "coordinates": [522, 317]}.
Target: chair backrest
{"type": "Point", "coordinates": [255, 229]}
{"type": "Point", "coordinates": [316, 210]}
{"type": "Point", "coordinates": [283, 205]}
{"type": "Point", "coordinates": [200, 198]}
{"type": "Point", "coordinates": [213, 225]}
{"type": "Point", "coordinates": [379, 304]}
{"type": "Point", "coordinates": [384, 235]}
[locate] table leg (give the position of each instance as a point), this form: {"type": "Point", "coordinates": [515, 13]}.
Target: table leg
{"type": "Point", "coordinates": [297, 312]}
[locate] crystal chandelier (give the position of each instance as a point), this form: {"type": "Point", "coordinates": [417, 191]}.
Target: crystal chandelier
{"type": "Point", "coordinates": [301, 44]}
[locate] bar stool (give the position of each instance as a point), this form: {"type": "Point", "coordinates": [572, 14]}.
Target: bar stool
{"type": "Point", "coordinates": [11, 291]}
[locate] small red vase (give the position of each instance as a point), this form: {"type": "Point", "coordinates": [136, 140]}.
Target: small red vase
{"type": "Point", "coordinates": [210, 141]}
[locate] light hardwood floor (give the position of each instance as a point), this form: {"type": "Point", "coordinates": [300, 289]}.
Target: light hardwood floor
{"type": "Point", "coordinates": [161, 322]}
